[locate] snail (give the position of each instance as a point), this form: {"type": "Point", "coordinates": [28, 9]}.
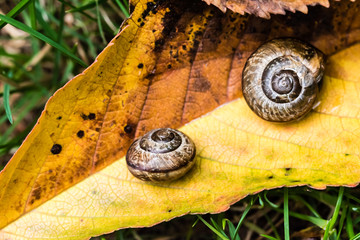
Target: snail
{"type": "Point", "coordinates": [163, 154]}
{"type": "Point", "coordinates": [280, 80]}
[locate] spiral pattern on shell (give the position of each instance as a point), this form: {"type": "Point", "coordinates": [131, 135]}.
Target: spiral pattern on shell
{"type": "Point", "coordinates": [280, 79]}
{"type": "Point", "coordinates": [162, 154]}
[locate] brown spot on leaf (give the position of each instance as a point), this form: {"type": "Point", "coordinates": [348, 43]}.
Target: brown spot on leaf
{"type": "Point", "coordinates": [128, 129]}
{"type": "Point", "coordinates": [202, 84]}
{"type": "Point", "coordinates": [83, 116]}
{"type": "Point", "coordinates": [91, 116]}
{"type": "Point", "coordinates": [150, 6]}
{"type": "Point", "coordinates": [109, 93]}
{"type": "Point", "coordinates": [56, 149]}
{"type": "Point", "coordinates": [52, 178]}
{"type": "Point", "coordinates": [158, 44]}
{"type": "Point", "coordinates": [36, 193]}
{"type": "Point", "coordinates": [80, 134]}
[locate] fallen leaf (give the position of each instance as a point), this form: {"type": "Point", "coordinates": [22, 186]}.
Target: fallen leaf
{"type": "Point", "coordinates": [238, 154]}
{"type": "Point", "coordinates": [265, 8]}
{"type": "Point", "coordinates": [172, 62]}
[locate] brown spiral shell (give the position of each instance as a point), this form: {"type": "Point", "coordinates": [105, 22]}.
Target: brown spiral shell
{"type": "Point", "coordinates": [163, 154]}
{"type": "Point", "coordinates": [280, 79]}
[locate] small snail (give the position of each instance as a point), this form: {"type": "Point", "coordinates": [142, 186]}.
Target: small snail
{"type": "Point", "coordinates": [280, 79]}
{"type": "Point", "coordinates": [162, 154]}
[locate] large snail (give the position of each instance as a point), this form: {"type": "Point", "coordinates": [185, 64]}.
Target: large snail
{"type": "Point", "coordinates": [162, 154]}
{"type": "Point", "coordinates": [280, 79]}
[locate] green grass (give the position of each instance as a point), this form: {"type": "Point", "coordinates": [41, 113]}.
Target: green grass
{"type": "Point", "coordinates": [286, 215]}
{"type": "Point", "coordinates": [65, 36]}
{"type": "Point", "coordinates": [6, 98]}
{"type": "Point", "coordinates": [331, 214]}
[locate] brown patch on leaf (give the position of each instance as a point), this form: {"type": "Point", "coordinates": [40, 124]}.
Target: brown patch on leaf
{"type": "Point", "coordinates": [56, 149]}
{"type": "Point", "coordinates": [80, 134]}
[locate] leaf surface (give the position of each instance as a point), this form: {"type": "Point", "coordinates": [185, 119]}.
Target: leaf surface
{"type": "Point", "coordinates": [238, 154]}
{"type": "Point", "coordinates": [171, 63]}
{"type": "Point", "coordinates": [265, 8]}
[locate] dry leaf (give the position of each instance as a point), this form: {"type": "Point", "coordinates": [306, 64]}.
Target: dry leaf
{"type": "Point", "coordinates": [265, 8]}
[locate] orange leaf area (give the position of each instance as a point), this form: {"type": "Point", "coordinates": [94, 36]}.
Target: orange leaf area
{"type": "Point", "coordinates": [172, 62]}
{"type": "Point", "coordinates": [238, 154]}
{"type": "Point", "coordinates": [265, 8]}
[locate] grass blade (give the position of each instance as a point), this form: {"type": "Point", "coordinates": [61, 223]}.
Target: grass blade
{"type": "Point", "coordinates": [333, 219]}
{"type": "Point", "coordinates": [230, 226]}
{"type": "Point", "coordinates": [42, 37]}
{"type": "Point", "coordinates": [123, 8]}
{"type": "Point", "coordinates": [342, 219]}
{"type": "Point", "coordinates": [126, 3]}
{"type": "Point", "coordinates": [87, 6]}
{"type": "Point", "coordinates": [219, 229]}
{"type": "Point", "coordinates": [27, 102]}
{"type": "Point", "coordinates": [55, 79]}
{"type": "Point", "coordinates": [82, 12]}
{"type": "Point", "coordinates": [33, 16]}
{"type": "Point", "coordinates": [213, 229]}
{"type": "Point", "coordinates": [357, 236]}
{"type": "Point", "coordinates": [349, 225]}
{"type": "Point", "coordinates": [286, 215]}
{"type": "Point", "coordinates": [277, 235]}
{"type": "Point", "coordinates": [321, 223]}
{"type": "Point", "coordinates": [98, 17]}
{"type": "Point", "coordinates": [247, 209]}
{"type": "Point", "coordinates": [300, 199]}
{"type": "Point", "coordinates": [273, 205]}
{"type": "Point", "coordinates": [7, 102]}
{"type": "Point", "coordinates": [268, 237]}
{"type": "Point", "coordinates": [15, 11]}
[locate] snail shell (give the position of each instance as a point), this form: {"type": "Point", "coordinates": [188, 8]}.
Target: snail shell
{"type": "Point", "coordinates": [280, 79]}
{"type": "Point", "coordinates": [162, 154]}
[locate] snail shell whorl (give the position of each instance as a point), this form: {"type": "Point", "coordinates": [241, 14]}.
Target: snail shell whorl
{"type": "Point", "coordinates": [162, 154]}
{"type": "Point", "coordinates": [280, 79]}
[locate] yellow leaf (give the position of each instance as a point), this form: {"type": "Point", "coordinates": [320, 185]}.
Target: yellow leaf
{"type": "Point", "coordinates": [238, 154]}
